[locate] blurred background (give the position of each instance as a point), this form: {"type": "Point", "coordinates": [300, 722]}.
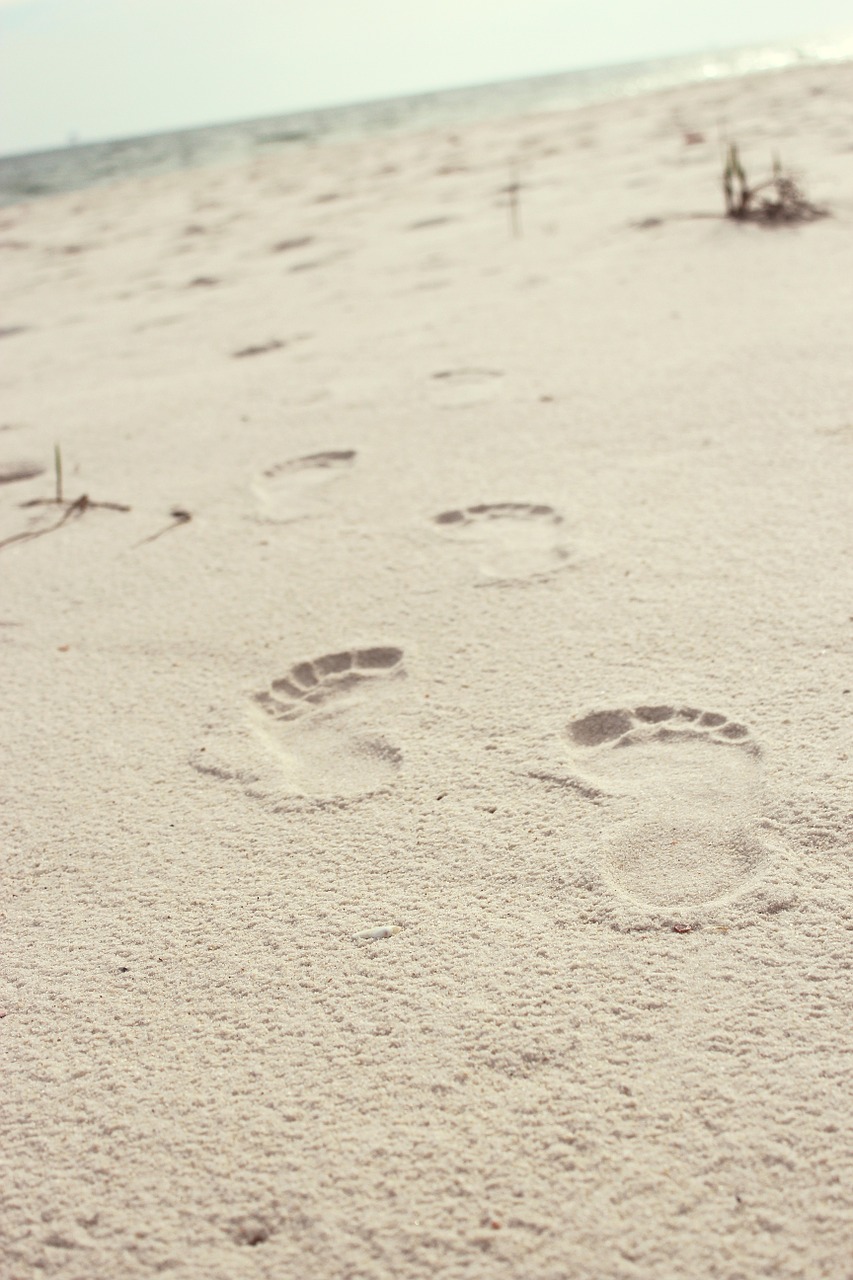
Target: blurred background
{"type": "Point", "coordinates": [85, 70]}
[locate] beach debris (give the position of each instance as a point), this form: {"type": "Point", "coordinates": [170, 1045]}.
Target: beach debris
{"type": "Point", "coordinates": [785, 203]}
{"type": "Point", "coordinates": [179, 517]}
{"type": "Point", "coordinates": [682, 928]}
{"type": "Point", "coordinates": [252, 1230]}
{"type": "Point", "coordinates": [377, 933]}
{"type": "Point", "coordinates": [512, 191]}
{"type": "Point", "coordinates": [72, 509]}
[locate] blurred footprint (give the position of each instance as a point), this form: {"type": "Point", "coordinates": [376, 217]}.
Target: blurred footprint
{"type": "Point", "coordinates": [289, 490]}
{"type": "Point", "coordinates": [456, 388]}
{"type": "Point", "coordinates": [512, 542]}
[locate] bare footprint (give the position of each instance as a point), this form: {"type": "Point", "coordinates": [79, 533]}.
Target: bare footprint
{"type": "Point", "coordinates": [456, 388]}
{"type": "Point", "coordinates": [683, 785]}
{"type": "Point", "coordinates": [513, 542]}
{"type": "Point", "coordinates": [288, 490]}
{"type": "Point", "coordinates": [322, 722]}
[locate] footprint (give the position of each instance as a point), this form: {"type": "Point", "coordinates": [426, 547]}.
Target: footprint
{"type": "Point", "coordinates": [320, 721]}
{"type": "Point", "coordinates": [259, 349]}
{"type": "Point", "coordinates": [10, 472]}
{"type": "Point", "coordinates": [515, 542]}
{"type": "Point", "coordinates": [295, 242]}
{"type": "Point", "coordinates": [439, 221]}
{"type": "Point", "coordinates": [683, 785]}
{"type": "Point", "coordinates": [288, 490]}
{"type": "Point", "coordinates": [456, 388]}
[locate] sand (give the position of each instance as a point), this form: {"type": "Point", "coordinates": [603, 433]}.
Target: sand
{"type": "Point", "coordinates": [432, 857]}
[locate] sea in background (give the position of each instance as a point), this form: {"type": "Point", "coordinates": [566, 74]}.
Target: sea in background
{"type": "Point", "coordinates": [80, 165]}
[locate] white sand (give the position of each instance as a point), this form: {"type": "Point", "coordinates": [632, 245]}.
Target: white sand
{"type": "Point", "coordinates": [567, 519]}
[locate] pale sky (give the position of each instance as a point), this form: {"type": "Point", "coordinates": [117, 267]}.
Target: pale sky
{"type": "Point", "coordinates": [114, 68]}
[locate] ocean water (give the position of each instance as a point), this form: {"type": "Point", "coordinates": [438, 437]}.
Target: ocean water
{"type": "Point", "coordinates": [71, 168]}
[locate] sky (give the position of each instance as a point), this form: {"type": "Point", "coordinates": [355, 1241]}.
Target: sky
{"type": "Point", "coordinates": [95, 69]}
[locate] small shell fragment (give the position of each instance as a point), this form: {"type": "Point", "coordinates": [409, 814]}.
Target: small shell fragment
{"type": "Point", "coordinates": [380, 931]}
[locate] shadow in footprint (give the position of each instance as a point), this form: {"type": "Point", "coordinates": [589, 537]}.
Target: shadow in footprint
{"type": "Point", "coordinates": [514, 543]}
{"type": "Point", "coordinates": [259, 349]}
{"type": "Point", "coordinates": [422, 224]}
{"type": "Point", "coordinates": [684, 788]}
{"type": "Point", "coordinates": [320, 721]}
{"type": "Point", "coordinates": [288, 490]}
{"type": "Point", "coordinates": [11, 472]}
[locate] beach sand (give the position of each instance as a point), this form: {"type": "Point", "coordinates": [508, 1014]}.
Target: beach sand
{"type": "Point", "coordinates": [432, 858]}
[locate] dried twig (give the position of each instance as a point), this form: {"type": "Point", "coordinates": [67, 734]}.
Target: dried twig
{"type": "Point", "coordinates": [179, 517]}
{"type": "Point", "coordinates": [72, 509]}
{"type": "Point", "coordinates": [512, 191]}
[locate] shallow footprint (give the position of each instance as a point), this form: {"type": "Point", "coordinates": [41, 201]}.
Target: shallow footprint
{"type": "Point", "coordinates": [456, 388]}
{"type": "Point", "coordinates": [287, 490]}
{"type": "Point", "coordinates": [684, 788]}
{"type": "Point", "coordinates": [10, 472]}
{"type": "Point", "coordinates": [515, 542]}
{"type": "Point", "coordinates": [321, 721]}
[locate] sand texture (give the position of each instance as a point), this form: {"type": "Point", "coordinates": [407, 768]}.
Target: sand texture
{"type": "Point", "coordinates": [432, 858]}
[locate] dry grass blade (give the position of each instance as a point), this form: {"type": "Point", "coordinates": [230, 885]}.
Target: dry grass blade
{"type": "Point", "coordinates": [179, 517]}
